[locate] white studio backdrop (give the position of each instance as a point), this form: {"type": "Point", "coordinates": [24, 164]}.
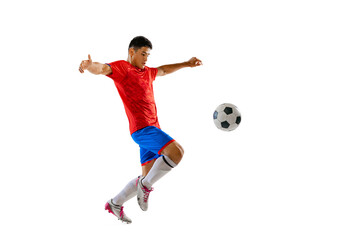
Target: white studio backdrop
{"type": "Point", "coordinates": [290, 171]}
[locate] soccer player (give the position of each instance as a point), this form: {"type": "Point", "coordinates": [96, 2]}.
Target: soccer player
{"type": "Point", "coordinates": [159, 153]}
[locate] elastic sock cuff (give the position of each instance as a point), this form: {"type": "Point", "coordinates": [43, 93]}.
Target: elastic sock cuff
{"type": "Point", "coordinates": [169, 162]}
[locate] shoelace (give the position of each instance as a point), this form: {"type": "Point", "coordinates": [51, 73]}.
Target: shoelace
{"type": "Point", "coordinates": [147, 192]}
{"type": "Point", "coordinates": [121, 212]}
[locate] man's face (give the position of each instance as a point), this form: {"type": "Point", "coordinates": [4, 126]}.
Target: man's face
{"type": "Point", "coordinates": [139, 58]}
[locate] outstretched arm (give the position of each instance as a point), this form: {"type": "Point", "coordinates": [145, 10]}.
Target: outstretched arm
{"type": "Point", "coordinates": [166, 69]}
{"type": "Point", "coordinates": [94, 67]}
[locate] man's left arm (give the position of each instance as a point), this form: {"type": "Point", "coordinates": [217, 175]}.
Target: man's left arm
{"type": "Point", "coordinates": [167, 69]}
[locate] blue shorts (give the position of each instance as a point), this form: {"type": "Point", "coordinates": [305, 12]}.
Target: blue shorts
{"type": "Point", "coordinates": [152, 142]}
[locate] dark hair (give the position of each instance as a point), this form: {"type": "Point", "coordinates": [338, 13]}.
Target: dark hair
{"type": "Point", "coordinates": [139, 42]}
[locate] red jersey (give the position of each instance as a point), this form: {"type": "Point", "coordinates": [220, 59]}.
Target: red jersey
{"type": "Point", "coordinates": [136, 91]}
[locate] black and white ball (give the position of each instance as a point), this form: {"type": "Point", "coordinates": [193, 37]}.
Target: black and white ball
{"type": "Point", "coordinates": [227, 117]}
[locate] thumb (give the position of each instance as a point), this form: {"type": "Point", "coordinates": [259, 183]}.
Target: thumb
{"type": "Point", "coordinates": [89, 58]}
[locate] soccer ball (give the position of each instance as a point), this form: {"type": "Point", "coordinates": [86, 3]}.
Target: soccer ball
{"type": "Point", "coordinates": [227, 117]}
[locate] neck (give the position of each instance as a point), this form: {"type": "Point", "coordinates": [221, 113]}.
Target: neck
{"type": "Point", "coordinates": [129, 61]}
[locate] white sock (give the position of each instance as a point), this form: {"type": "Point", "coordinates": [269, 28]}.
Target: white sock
{"type": "Point", "coordinates": [127, 193]}
{"type": "Point", "coordinates": [162, 166]}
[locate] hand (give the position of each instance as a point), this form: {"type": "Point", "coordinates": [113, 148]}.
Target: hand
{"type": "Point", "coordinates": [194, 62]}
{"type": "Point", "coordinates": [85, 64]}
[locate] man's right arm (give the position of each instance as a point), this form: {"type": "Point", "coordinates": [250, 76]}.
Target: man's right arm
{"type": "Point", "coordinates": [94, 67]}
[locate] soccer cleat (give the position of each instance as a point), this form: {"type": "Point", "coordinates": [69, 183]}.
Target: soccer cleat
{"type": "Point", "coordinates": [118, 211]}
{"type": "Point", "coordinates": [143, 194]}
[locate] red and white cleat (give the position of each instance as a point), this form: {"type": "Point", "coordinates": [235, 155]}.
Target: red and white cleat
{"type": "Point", "coordinates": [118, 211]}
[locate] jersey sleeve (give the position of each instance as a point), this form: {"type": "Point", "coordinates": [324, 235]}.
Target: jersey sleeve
{"type": "Point", "coordinates": [153, 73]}
{"type": "Point", "coordinates": [119, 71]}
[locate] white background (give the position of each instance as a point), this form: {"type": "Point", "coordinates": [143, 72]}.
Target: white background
{"type": "Point", "coordinates": [290, 171]}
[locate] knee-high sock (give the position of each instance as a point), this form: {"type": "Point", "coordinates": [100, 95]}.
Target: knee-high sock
{"type": "Point", "coordinates": [162, 166]}
{"type": "Point", "coordinates": [127, 193]}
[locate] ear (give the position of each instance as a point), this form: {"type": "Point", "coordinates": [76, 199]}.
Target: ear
{"type": "Point", "coordinates": [131, 51]}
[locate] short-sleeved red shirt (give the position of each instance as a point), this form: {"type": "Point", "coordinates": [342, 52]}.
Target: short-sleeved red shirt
{"type": "Point", "coordinates": [136, 91]}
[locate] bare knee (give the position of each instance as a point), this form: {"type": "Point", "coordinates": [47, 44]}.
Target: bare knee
{"type": "Point", "coordinates": [176, 154]}
{"type": "Point", "coordinates": [174, 151]}
{"type": "Point", "coordinates": [180, 152]}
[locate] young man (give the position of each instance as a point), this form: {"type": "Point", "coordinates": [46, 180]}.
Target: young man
{"type": "Point", "coordinates": [159, 153]}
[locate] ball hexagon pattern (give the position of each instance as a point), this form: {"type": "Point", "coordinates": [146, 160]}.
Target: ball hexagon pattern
{"type": "Point", "coordinates": [227, 117]}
